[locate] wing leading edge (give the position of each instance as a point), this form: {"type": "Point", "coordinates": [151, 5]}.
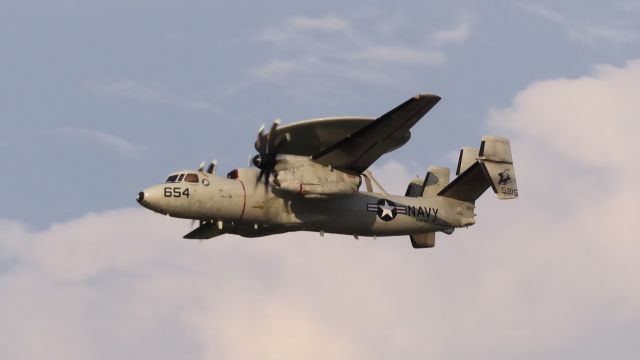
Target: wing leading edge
{"type": "Point", "coordinates": [359, 150]}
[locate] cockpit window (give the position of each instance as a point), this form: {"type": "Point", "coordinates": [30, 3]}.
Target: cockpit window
{"type": "Point", "coordinates": [172, 178]}
{"type": "Point", "coordinates": [233, 174]}
{"type": "Point", "coordinates": [192, 178]}
{"type": "Point", "coordinates": [180, 178]}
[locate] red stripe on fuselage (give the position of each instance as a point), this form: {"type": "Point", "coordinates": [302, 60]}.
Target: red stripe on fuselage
{"type": "Point", "coordinates": [244, 203]}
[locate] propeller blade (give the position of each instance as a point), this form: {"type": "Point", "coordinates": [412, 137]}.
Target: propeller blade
{"type": "Point", "coordinates": [212, 167]}
{"type": "Point", "coordinates": [271, 134]}
{"type": "Point", "coordinates": [268, 146]}
{"type": "Point", "coordinates": [201, 167]}
{"type": "Point", "coordinates": [282, 139]}
{"type": "Point", "coordinates": [261, 137]}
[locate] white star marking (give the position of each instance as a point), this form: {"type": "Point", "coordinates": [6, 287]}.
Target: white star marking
{"type": "Point", "coordinates": [386, 209]}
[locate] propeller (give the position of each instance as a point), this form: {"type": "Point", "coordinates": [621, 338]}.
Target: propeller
{"type": "Point", "coordinates": [211, 169]}
{"type": "Point", "coordinates": [269, 147]}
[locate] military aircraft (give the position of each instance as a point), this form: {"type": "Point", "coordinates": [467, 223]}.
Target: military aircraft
{"type": "Point", "coordinates": [307, 177]}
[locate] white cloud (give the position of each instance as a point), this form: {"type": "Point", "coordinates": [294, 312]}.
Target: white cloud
{"type": "Point", "coordinates": [458, 34]}
{"type": "Point", "coordinates": [326, 23]}
{"type": "Point", "coordinates": [294, 26]}
{"type": "Point", "coordinates": [629, 5]}
{"type": "Point", "coordinates": [336, 47]}
{"type": "Point", "coordinates": [593, 34]}
{"type": "Point", "coordinates": [390, 54]}
{"type": "Point", "coordinates": [544, 12]}
{"type": "Point", "coordinates": [601, 118]}
{"type": "Point", "coordinates": [107, 140]}
{"type": "Point", "coordinates": [551, 274]}
{"type": "Point", "coordinates": [582, 32]}
{"type": "Point", "coordinates": [130, 89]}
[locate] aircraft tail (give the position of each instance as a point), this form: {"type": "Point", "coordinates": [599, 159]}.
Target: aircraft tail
{"type": "Point", "coordinates": [478, 169]}
{"type": "Point", "coordinates": [437, 178]}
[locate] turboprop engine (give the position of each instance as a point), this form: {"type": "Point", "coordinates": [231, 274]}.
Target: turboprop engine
{"type": "Point", "coordinates": [299, 175]}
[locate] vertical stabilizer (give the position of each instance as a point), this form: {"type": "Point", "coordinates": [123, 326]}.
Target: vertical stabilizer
{"type": "Point", "coordinates": [492, 167]}
{"type": "Point", "coordinates": [468, 156]}
{"type": "Point", "coordinates": [495, 156]}
{"type": "Point", "coordinates": [437, 178]}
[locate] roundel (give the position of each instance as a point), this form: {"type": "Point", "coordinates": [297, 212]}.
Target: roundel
{"type": "Point", "coordinates": [387, 210]}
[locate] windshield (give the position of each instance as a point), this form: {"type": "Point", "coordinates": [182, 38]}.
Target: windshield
{"type": "Point", "coordinates": [192, 178]}
{"type": "Point", "coordinates": [172, 179]}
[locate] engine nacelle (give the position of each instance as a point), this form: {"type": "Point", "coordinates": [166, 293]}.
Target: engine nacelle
{"type": "Point", "coordinates": [304, 177]}
{"type": "Point", "coordinates": [323, 189]}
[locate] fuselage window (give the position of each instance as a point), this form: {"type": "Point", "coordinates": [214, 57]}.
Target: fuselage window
{"type": "Point", "coordinates": [192, 178]}
{"type": "Point", "coordinates": [172, 178]}
{"type": "Point", "coordinates": [180, 178]}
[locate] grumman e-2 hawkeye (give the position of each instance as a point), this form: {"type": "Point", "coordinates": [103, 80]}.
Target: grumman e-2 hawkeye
{"type": "Point", "coordinates": [308, 174]}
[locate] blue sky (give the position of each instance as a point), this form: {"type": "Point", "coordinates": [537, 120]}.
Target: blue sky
{"type": "Point", "coordinates": [101, 99]}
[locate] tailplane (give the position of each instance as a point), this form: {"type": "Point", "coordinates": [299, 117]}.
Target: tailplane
{"type": "Point", "coordinates": [490, 166]}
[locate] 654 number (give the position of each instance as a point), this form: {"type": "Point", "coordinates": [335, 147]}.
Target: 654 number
{"type": "Point", "coordinates": [175, 192]}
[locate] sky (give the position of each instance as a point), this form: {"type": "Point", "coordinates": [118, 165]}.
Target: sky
{"type": "Point", "coordinates": [99, 100]}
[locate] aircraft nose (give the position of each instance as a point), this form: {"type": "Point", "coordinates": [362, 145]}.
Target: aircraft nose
{"type": "Point", "coordinates": [149, 199]}
{"type": "Point", "coordinates": [145, 198]}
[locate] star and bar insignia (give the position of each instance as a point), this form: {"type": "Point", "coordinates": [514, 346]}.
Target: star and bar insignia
{"type": "Point", "coordinates": [387, 210]}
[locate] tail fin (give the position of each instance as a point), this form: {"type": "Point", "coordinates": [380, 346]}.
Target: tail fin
{"type": "Point", "coordinates": [437, 178]}
{"type": "Point", "coordinates": [479, 169]}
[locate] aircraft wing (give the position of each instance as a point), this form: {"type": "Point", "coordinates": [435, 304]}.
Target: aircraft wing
{"type": "Point", "coordinates": [205, 231]}
{"type": "Point", "coordinates": [359, 150]}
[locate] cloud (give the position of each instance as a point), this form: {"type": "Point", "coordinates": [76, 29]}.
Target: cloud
{"type": "Point", "coordinates": [580, 32]}
{"type": "Point", "coordinates": [551, 274]}
{"type": "Point", "coordinates": [628, 5]}
{"type": "Point", "coordinates": [395, 55]}
{"type": "Point", "coordinates": [593, 34]}
{"type": "Point", "coordinates": [337, 47]}
{"type": "Point", "coordinates": [597, 130]}
{"type": "Point", "coordinates": [132, 90]}
{"type": "Point", "coordinates": [104, 139]}
{"type": "Point", "coordinates": [297, 24]}
{"type": "Point", "coordinates": [458, 34]}
{"type": "Point", "coordinates": [544, 12]}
